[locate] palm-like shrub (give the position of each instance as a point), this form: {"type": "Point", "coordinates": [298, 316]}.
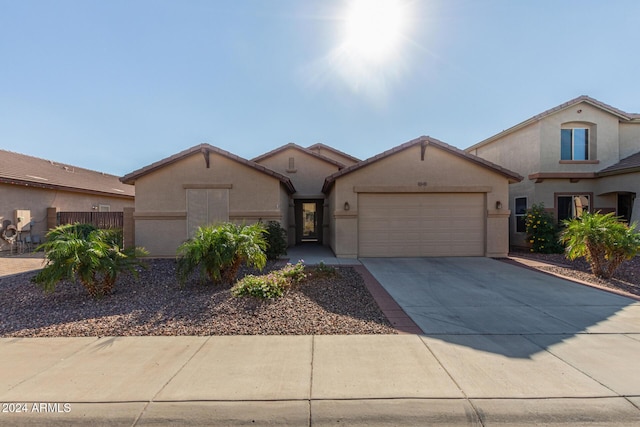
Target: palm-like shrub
{"type": "Point", "coordinates": [604, 241]}
{"type": "Point", "coordinates": [217, 252]}
{"type": "Point", "coordinates": [93, 257]}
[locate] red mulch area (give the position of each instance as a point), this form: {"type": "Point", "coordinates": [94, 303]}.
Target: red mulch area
{"type": "Point", "coordinates": [625, 279]}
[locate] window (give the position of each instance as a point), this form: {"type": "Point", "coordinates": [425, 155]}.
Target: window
{"type": "Point", "coordinates": [574, 144]}
{"type": "Point", "coordinates": [104, 208]}
{"type": "Point", "coordinates": [573, 206]}
{"type": "Point", "coordinates": [521, 213]}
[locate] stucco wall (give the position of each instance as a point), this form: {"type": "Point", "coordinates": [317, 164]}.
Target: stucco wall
{"type": "Point", "coordinates": [603, 142]}
{"type": "Point", "coordinates": [37, 200]}
{"type": "Point", "coordinates": [629, 139]}
{"type": "Point", "coordinates": [406, 172]}
{"type": "Point", "coordinates": [161, 209]}
{"type": "Point", "coordinates": [308, 174]}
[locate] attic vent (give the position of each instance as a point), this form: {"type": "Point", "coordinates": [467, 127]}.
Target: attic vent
{"type": "Point", "coordinates": [292, 165]}
{"type": "Point", "coordinates": [38, 177]}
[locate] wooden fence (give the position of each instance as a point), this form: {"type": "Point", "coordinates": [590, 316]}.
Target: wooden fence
{"type": "Point", "coordinates": [102, 220]}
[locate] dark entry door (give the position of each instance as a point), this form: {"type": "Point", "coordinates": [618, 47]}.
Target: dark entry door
{"type": "Point", "coordinates": [308, 221]}
{"type": "Point", "coordinates": [625, 205]}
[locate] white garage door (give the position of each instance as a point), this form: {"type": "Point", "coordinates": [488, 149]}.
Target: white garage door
{"type": "Point", "coordinates": [421, 224]}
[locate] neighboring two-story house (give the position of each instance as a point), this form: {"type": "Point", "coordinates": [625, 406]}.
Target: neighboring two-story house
{"type": "Point", "coordinates": [583, 155]}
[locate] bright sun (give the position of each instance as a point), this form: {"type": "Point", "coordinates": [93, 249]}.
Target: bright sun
{"type": "Point", "coordinates": [374, 28]}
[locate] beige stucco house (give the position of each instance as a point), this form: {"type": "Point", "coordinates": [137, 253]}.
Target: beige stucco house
{"type": "Point", "coordinates": [422, 198]}
{"type": "Point", "coordinates": [581, 155]}
{"type": "Point", "coordinates": [33, 190]}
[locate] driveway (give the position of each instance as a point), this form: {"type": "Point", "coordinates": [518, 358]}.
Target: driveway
{"type": "Point", "coordinates": [480, 296]}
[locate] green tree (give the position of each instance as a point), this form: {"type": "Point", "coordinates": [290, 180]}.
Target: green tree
{"type": "Point", "coordinates": [602, 240]}
{"type": "Point", "coordinates": [93, 257]}
{"type": "Point", "coordinates": [217, 252]}
{"type": "Point", "coordinates": [542, 231]}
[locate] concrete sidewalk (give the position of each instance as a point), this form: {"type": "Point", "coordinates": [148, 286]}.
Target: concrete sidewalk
{"type": "Point", "coordinates": [311, 380]}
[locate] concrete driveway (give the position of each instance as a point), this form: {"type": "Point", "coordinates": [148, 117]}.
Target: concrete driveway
{"type": "Point", "coordinates": [504, 331]}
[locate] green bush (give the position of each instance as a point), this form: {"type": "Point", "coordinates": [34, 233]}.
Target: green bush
{"type": "Point", "coordinates": [269, 286]}
{"type": "Point", "coordinates": [542, 231]}
{"type": "Point", "coordinates": [93, 257]}
{"type": "Point", "coordinates": [276, 238]}
{"type": "Point", "coordinates": [323, 269]}
{"type": "Point", "coordinates": [217, 252]}
{"type": "Point", "coordinates": [604, 241]}
{"type": "Point", "coordinates": [294, 272]}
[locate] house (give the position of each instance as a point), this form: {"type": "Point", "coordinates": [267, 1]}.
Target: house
{"type": "Point", "coordinates": [583, 155]}
{"type": "Point", "coordinates": [422, 198]}
{"type": "Point", "coordinates": [33, 190]}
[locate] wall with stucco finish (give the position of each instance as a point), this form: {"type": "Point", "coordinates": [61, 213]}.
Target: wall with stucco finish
{"type": "Point", "coordinates": [37, 200]}
{"type": "Point", "coordinates": [161, 206]}
{"type": "Point", "coordinates": [404, 171]}
{"type": "Point", "coordinates": [307, 175]}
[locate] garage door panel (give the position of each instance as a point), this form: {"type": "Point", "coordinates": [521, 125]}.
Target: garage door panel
{"type": "Point", "coordinates": [419, 224]}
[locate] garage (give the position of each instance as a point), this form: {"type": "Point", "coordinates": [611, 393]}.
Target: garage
{"type": "Point", "coordinates": [421, 224]}
{"type": "Point", "coordinates": [423, 198]}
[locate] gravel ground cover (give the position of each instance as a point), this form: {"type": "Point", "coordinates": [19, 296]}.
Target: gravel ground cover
{"type": "Point", "coordinates": [625, 279]}
{"type": "Point", "coordinates": [157, 305]}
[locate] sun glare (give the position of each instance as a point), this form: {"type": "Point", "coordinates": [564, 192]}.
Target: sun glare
{"type": "Point", "coordinates": [374, 28]}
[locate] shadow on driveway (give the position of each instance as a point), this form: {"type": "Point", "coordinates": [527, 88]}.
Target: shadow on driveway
{"type": "Point", "coordinates": [493, 306]}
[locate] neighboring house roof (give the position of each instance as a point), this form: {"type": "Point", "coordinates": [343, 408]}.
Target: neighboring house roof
{"type": "Point", "coordinates": [205, 149]}
{"type": "Point", "coordinates": [28, 171]}
{"type": "Point", "coordinates": [326, 147]}
{"type": "Point", "coordinates": [622, 115]}
{"type": "Point", "coordinates": [626, 165]}
{"type": "Point", "coordinates": [424, 141]}
{"type": "Point", "coordinates": [299, 148]}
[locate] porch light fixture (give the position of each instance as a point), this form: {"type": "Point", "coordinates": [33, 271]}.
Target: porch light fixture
{"type": "Point", "coordinates": [346, 206]}
{"type": "Point", "coordinates": [498, 204]}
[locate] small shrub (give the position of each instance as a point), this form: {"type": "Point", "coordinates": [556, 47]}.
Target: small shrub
{"type": "Point", "coordinates": [217, 252]}
{"type": "Point", "coordinates": [93, 257]}
{"type": "Point", "coordinates": [294, 272]}
{"type": "Point", "coordinates": [542, 231]}
{"type": "Point", "coordinates": [276, 238]}
{"type": "Point", "coordinates": [323, 269]}
{"type": "Point", "coordinates": [604, 241]}
{"type": "Point", "coordinates": [269, 286]}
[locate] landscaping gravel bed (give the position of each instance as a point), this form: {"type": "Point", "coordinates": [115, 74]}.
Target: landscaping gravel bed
{"type": "Point", "coordinates": [626, 278]}
{"type": "Point", "coordinates": [156, 305]}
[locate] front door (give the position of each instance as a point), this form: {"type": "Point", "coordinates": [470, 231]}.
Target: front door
{"type": "Point", "coordinates": [308, 221]}
{"type": "Point", "coordinates": [625, 205]}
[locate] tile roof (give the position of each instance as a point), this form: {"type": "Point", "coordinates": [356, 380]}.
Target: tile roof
{"type": "Point", "coordinates": [622, 115]}
{"type": "Point", "coordinates": [299, 148]}
{"type": "Point", "coordinates": [205, 149]}
{"type": "Point", "coordinates": [21, 169]}
{"type": "Point", "coordinates": [626, 165]}
{"type": "Point", "coordinates": [426, 140]}
{"type": "Point", "coordinates": [326, 147]}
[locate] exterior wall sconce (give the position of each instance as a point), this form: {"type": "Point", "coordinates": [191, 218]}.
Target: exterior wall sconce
{"type": "Point", "coordinates": [346, 206]}
{"type": "Point", "coordinates": [498, 204]}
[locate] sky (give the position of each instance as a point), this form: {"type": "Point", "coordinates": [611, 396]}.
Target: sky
{"type": "Point", "coordinates": [116, 85]}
